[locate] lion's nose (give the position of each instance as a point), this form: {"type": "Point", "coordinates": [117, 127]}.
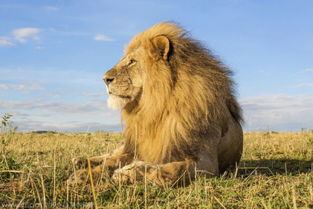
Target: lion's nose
{"type": "Point", "coordinates": [108, 80]}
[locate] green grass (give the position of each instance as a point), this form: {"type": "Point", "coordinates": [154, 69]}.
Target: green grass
{"type": "Point", "coordinates": [275, 172]}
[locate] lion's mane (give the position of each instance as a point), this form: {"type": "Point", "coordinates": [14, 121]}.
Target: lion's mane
{"type": "Point", "coordinates": [182, 101]}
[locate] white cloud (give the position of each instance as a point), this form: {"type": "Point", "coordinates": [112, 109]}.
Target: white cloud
{"type": "Point", "coordinates": [3, 86]}
{"type": "Point", "coordinates": [69, 126]}
{"type": "Point", "coordinates": [32, 115]}
{"type": "Point", "coordinates": [300, 85]}
{"type": "Point", "coordinates": [94, 108]}
{"type": "Point", "coordinates": [101, 37]}
{"type": "Point", "coordinates": [23, 34]}
{"type": "Point", "coordinates": [278, 112]}
{"type": "Point", "coordinates": [94, 94]}
{"type": "Point", "coordinates": [309, 70]}
{"type": "Point", "coordinates": [39, 47]}
{"type": "Point", "coordinates": [20, 87]}
{"type": "Point", "coordinates": [5, 41]}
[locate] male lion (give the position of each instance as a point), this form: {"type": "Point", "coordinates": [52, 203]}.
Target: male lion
{"type": "Point", "coordinates": [179, 107]}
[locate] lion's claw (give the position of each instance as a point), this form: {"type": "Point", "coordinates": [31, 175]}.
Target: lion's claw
{"type": "Point", "coordinates": [80, 162]}
{"type": "Point", "coordinates": [78, 177]}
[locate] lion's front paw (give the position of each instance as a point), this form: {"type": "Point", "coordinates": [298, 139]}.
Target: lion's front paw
{"type": "Point", "coordinates": [127, 174]}
{"type": "Point", "coordinates": [136, 171]}
{"type": "Point", "coordinates": [124, 176]}
{"type": "Point", "coordinates": [78, 177]}
{"type": "Point", "coordinates": [80, 162]}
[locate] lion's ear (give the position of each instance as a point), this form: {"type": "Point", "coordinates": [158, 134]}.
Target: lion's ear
{"type": "Point", "coordinates": [160, 47]}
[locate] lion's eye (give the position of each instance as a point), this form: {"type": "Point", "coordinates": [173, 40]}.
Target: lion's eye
{"type": "Point", "coordinates": [132, 61]}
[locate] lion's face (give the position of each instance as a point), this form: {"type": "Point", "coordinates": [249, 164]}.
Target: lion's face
{"type": "Point", "coordinates": [125, 80]}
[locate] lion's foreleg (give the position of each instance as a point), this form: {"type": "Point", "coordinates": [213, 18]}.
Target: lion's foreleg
{"type": "Point", "coordinates": [174, 173]}
{"type": "Point", "coordinates": [82, 162]}
{"type": "Point", "coordinates": [102, 166]}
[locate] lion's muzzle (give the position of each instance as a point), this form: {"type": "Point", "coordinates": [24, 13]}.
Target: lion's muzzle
{"type": "Point", "coordinates": [108, 79]}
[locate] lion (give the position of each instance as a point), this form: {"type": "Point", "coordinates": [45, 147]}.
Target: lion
{"type": "Point", "coordinates": [181, 116]}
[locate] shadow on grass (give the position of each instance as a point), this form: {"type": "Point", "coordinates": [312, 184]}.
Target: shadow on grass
{"type": "Point", "coordinates": [275, 166]}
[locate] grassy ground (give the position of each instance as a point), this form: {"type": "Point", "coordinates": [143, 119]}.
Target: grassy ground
{"type": "Point", "coordinates": [275, 172]}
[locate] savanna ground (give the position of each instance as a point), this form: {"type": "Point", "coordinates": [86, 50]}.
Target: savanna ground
{"type": "Point", "coordinates": [275, 172]}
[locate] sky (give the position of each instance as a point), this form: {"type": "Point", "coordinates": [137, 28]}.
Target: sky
{"type": "Point", "coordinates": [53, 54]}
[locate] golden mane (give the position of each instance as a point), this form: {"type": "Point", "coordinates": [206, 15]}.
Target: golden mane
{"type": "Point", "coordinates": [180, 98]}
{"type": "Point", "coordinates": [180, 111]}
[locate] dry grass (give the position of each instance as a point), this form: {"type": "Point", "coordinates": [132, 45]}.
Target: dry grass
{"type": "Point", "coordinates": [275, 172]}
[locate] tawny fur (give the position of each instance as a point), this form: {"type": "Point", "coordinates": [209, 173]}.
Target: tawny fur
{"type": "Point", "coordinates": [181, 98]}
{"type": "Point", "coordinates": [178, 104]}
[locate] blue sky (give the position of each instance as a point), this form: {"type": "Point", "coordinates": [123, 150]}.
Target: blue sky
{"type": "Point", "coordinates": [53, 54]}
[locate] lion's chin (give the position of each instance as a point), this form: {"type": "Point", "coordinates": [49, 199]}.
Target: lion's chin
{"type": "Point", "coordinates": [117, 102]}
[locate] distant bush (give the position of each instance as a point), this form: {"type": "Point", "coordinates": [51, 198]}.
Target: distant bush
{"type": "Point", "coordinates": [7, 160]}
{"type": "Point", "coordinates": [6, 124]}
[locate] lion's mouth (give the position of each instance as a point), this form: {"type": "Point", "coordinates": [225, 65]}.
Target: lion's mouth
{"type": "Point", "coordinates": [120, 96]}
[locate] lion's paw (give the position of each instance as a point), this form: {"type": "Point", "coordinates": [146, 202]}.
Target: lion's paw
{"type": "Point", "coordinates": [124, 176]}
{"type": "Point", "coordinates": [127, 174]}
{"type": "Point", "coordinates": [136, 171]}
{"type": "Point", "coordinates": [80, 162]}
{"type": "Point", "coordinates": [78, 177]}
